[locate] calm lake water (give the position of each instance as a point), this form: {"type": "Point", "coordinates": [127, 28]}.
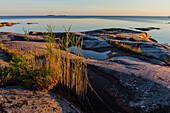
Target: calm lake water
{"type": "Point", "coordinates": [90, 53]}
{"type": "Point", "coordinates": [86, 23]}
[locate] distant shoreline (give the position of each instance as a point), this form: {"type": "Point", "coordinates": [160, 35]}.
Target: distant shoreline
{"type": "Point", "coordinates": [77, 16]}
{"type": "Point", "coordinates": [56, 15]}
{"type": "Point", "coordinates": [91, 22]}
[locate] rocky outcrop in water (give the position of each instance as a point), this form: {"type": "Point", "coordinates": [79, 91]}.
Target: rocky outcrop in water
{"type": "Point", "coordinates": [7, 24]}
{"type": "Point", "coordinates": [31, 23]}
{"type": "Point", "coordinates": [101, 39]}
{"type": "Point", "coordinates": [148, 29]}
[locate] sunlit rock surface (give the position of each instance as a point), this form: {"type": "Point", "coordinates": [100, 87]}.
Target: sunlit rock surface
{"type": "Point", "coordinates": [21, 100]}
{"type": "Point", "coordinates": [140, 82]}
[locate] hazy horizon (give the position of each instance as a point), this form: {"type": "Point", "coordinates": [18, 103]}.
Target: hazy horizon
{"type": "Point", "coordinates": [85, 8]}
{"type": "Point", "coordinates": [94, 15]}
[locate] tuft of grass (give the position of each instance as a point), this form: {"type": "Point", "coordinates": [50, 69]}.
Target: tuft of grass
{"type": "Point", "coordinates": [166, 44]}
{"type": "Point", "coordinates": [167, 62]}
{"type": "Point", "coordinates": [120, 37]}
{"type": "Point", "coordinates": [126, 48]}
{"type": "Point", "coordinates": [58, 69]}
{"type": "Point", "coordinates": [134, 50]}
{"type": "Point", "coordinates": [133, 39]}
{"type": "Point", "coordinates": [1, 45]}
{"type": "Point", "coordinates": [138, 50]}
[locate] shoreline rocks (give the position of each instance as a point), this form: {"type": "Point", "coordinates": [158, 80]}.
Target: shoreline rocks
{"type": "Point", "coordinates": [13, 23]}
{"type": "Point", "coordinates": [7, 24]}
{"type": "Point", "coordinates": [18, 99]}
{"type": "Point", "coordinates": [31, 23]}
{"type": "Point", "coordinates": [22, 37]}
{"type": "Point", "coordinates": [138, 82]}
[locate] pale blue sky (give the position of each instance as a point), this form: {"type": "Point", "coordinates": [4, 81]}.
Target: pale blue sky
{"type": "Point", "coordinates": [86, 7]}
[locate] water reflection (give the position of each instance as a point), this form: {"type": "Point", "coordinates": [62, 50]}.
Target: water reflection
{"type": "Point", "coordinates": [92, 23]}
{"type": "Point", "coordinates": [91, 53]}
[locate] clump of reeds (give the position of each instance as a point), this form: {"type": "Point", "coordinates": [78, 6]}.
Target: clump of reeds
{"type": "Point", "coordinates": [59, 67]}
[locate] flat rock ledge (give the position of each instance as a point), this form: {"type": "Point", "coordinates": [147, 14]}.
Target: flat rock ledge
{"type": "Point", "coordinates": [16, 99]}
{"type": "Point", "coordinates": [139, 83]}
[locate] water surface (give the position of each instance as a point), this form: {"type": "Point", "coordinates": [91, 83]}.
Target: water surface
{"type": "Point", "coordinates": [90, 53]}
{"type": "Point", "coordinates": [86, 23]}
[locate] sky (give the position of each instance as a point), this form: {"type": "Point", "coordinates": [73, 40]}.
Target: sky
{"type": "Point", "coordinates": [85, 7]}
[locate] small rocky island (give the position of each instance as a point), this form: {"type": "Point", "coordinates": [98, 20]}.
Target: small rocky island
{"type": "Point", "coordinates": [134, 77]}
{"type": "Point", "coordinates": [29, 23]}
{"type": "Point", "coordinates": [147, 29]}
{"type": "Point", "coordinates": [7, 24]}
{"type": "Point", "coordinates": [13, 23]}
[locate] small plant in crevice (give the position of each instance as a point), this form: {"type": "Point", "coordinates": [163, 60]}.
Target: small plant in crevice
{"type": "Point", "coordinates": [1, 45]}
{"type": "Point", "coordinates": [126, 48]}
{"type": "Point", "coordinates": [166, 61]}
{"type": "Point", "coordinates": [166, 44]}
{"type": "Point", "coordinates": [134, 50]}
{"type": "Point", "coordinates": [120, 37]}
{"type": "Point", "coordinates": [134, 39]}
